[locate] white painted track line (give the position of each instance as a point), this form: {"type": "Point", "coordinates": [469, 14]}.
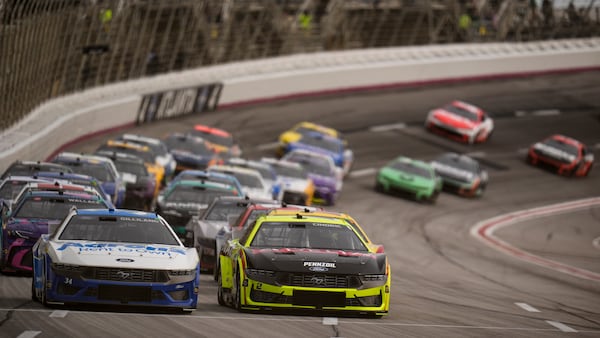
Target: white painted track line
{"type": "Point", "coordinates": [548, 112]}
{"type": "Point", "coordinates": [561, 326]}
{"type": "Point", "coordinates": [268, 146]}
{"type": "Point", "coordinates": [59, 314]}
{"type": "Point", "coordinates": [527, 307]}
{"type": "Point", "coordinates": [362, 172]}
{"type": "Point", "coordinates": [387, 127]}
{"type": "Point", "coordinates": [29, 334]}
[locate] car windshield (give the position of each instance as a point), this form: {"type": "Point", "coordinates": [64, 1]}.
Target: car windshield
{"type": "Point", "coordinates": [310, 235]}
{"type": "Point", "coordinates": [196, 194]}
{"type": "Point", "coordinates": [461, 112]}
{"type": "Point", "coordinates": [89, 183]}
{"type": "Point", "coordinates": [138, 169]}
{"type": "Point", "coordinates": [566, 147]}
{"type": "Point", "coordinates": [463, 163]}
{"type": "Point", "coordinates": [290, 171]}
{"type": "Point", "coordinates": [312, 164]}
{"type": "Point", "coordinates": [326, 143]}
{"type": "Point", "coordinates": [192, 145]}
{"type": "Point", "coordinates": [98, 170]}
{"type": "Point", "coordinates": [54, 208]}
{"type": "Point", "coordinates": [128, 229]}
{"type": "Point", "coordinates": [410, 168]}
{"type": "Point", "coordinates": [10, 189]}
{"type": "Point", "coordinates": [24, 169]}
{"type": "Point", "coordinates": [246, 179]}
{"type": "Point", "coordinates": [222, 210]}
{"type": "Point", "coordinates": [144, 155]}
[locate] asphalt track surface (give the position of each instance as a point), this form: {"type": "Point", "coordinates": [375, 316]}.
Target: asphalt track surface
{"type": "Point", "coordinates": [446, 282]}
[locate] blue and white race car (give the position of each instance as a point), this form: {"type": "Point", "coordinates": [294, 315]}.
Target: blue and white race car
{"type": "Point", "coordinates": [115, 257]}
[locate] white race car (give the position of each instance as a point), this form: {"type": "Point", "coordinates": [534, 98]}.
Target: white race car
{"type": "Point", "coordinates": [115, 257]}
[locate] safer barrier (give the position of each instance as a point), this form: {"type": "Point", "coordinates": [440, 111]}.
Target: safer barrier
{"type": "Point", "coordinates": [68, 119]}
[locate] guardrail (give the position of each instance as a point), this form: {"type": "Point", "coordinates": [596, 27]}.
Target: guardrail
{"type": "Point", "coordinates": [67, 119]}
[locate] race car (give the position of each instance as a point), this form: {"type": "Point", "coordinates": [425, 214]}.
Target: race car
{"type": "Point", "coordinates": [191, 152]}
{"type": "Point", "coordinates": [158, 148]}
{"type": "Point", "coordinates": [141, 151]}
{"type": "Point", "coordinates": [301, 128]}
{"type": "Point", "coordinates": [252, 182]}
{"type": "Point", "coordinates": [460, 121]}
{"type": "Point", "coordinates": [186, 198]}
{"type": "Point", "coordinates": [115, 257]}
{"type": "Point", "coordinates": [303, 262]}
{"type": "Point", "coordinates": [73, 178]}
{"type": "Point", "coordinates": [38, 207]}
{"type": "Point", "coordinates": [218, 139]}
{"type": "Point", "coordinates": [210, 176]}
{"type": "Point", "coordinates": [102, 168]}
{"type": "Point", "coordinates": [326, 177]}
{"type": "Point", "coordinates": [140, 184]}
{"type": "Point", "coordinates": [562, 154]}
{"type": "Point", "coordinates": [411, 177]}
{"type": "Point", "coordinates": [325, 144]}
{"type": "Point", "coordinates": [201, 231]}
{"type": "Point", "coordinates": [461, 174]}
{"type": "Point", "coordinates": [265, 170]}
{"type": "Point", "coordinates": [11, 186]}
{"type": "Point", "coordinates": [27, 168]}
{"type": "Point", "coordinates": [296, 186]}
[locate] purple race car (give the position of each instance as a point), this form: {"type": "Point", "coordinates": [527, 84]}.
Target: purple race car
{"type": "Point", "coordinates": [323, 172]}
{"type": "Point", "coordinates": [38, 206]}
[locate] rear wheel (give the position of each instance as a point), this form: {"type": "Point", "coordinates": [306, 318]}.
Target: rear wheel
{"type": "Point", "coordinates": [33, 295]}
{"type": "Point", "coordinates": [378, 186]}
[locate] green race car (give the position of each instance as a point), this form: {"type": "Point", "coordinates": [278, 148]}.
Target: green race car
{"type": "Point", "coordinates": [409, 177]}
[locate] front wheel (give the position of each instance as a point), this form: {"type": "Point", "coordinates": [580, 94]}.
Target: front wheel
{"type": "Point", "coordinates": [237, 301]}
{"type": "Point", "coordinates": [220, 298]}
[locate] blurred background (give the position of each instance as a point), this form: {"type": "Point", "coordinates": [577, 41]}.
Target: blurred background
{"type": "Point", "coordinates": [49, 48]}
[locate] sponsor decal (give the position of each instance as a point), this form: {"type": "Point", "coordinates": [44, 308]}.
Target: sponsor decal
{"type": "Point", "coordinates": [320, 264]}
{"type": "Point", "coordinates": [318, 269]}
{"type": "Point", "coordinates": [135, 219]}
{"type": "Point", "coordinates": [186, 205]}
{"type": "Point", "coordinates": [119, 248]}
{"type": "Point", "coordinates": [125, 260]}
{"type": "Point", "coordinates": [326, 225]}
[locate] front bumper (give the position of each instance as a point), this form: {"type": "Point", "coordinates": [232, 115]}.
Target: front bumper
{"type": "Point", "coordinates": [258, 295]}
{"type": "Point", "coordinates": [61, 289]}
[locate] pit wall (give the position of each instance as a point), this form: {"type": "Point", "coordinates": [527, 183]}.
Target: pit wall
{"type": "Point", "coordinates": [69, 119]}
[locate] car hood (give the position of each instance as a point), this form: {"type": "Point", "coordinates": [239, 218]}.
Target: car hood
{"type": "Point", "coordinates": [316, 261]}
{"type": "Point", "coordinates": [123, 255]}
{"type": "Point", "coordinates": [31, 227]}
{"type": "Point", "coordinates": [453, 119]}
{"type": "Point", "coordinates": [294, 184]}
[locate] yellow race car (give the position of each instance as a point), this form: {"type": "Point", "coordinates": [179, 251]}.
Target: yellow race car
{"type": "Point", "coordinates": [303, 262]}
{"type": "Point", "coordinates": [295, 133]}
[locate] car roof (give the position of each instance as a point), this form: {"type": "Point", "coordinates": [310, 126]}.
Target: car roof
{"type": "Point", "coordinates": [223, 168]}
{"type": "Point", "coordinates": [212, 130]}
{"type": "Point", "coordinates": [117, 212]}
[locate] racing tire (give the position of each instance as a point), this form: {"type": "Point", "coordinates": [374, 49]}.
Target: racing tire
{"type": "Point", "coordinates": [237, 297]}
{"type": "Point", "coordinates": [33, 295]}
{"type": "Point", "coordinates": [433, 198]}
{"type": "Point", "coordinates": [379, 187]}
{"type": "Point", "coordinates": [220, 298]}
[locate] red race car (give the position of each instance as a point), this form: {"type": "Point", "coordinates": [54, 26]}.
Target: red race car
{"type": "Point", "coordinates": [567, 156]}
{"type": "Point", "coordinates": [460, 121]}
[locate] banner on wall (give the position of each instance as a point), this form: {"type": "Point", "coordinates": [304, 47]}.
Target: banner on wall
{"type": "Point", "coordinates": [179, 102]}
